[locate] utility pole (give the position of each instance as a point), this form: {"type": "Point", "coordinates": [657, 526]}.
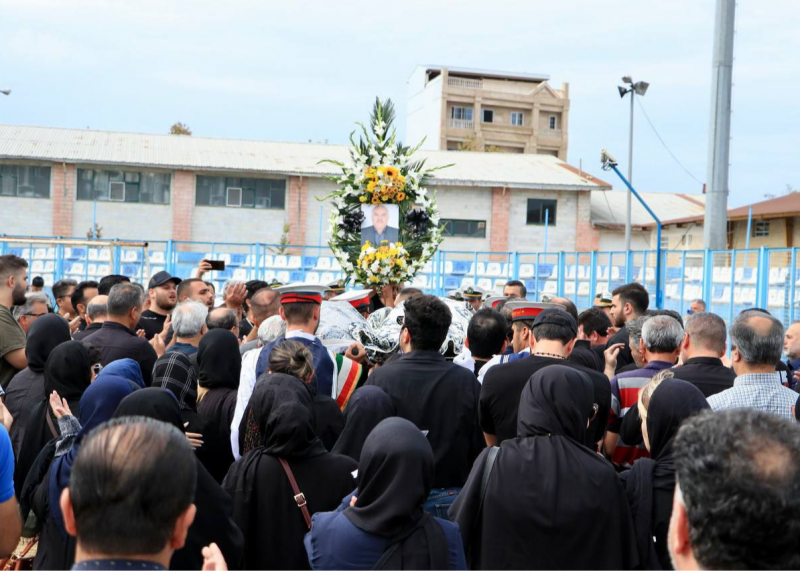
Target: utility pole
{"type": "Point", "coordinates": [638, 88]}
{"type": "Point", "coordinates": [719, 135]}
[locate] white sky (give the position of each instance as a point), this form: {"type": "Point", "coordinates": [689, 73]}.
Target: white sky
{"type": "Point", "coordinates": [301, 70]}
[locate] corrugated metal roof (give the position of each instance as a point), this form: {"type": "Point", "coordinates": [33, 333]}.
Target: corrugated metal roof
{"type": "Point", "coordinates": [608, 207]}
{"type": "Point", "coordinates": [786, 206]}
{"type": "Point", "coordinates": [478, 72]}
{"type": "Point", "coordinates": [206, 154]}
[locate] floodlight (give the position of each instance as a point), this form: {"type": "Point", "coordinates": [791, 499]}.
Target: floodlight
{"type": "Point", "coordinates": [640, 87]}
{"type": "Point", "coordinates": [5, 91]}
{"type": "Point", "coordinates": [627, 79]}
{"type": "Point", "coordinates": [622, 90]}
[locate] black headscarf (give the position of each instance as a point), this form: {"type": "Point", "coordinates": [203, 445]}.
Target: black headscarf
{"type": "Point", "coordinates": [213, 521]}
{"type": "Point", "coordinates": [367, 407]}
{"type": "Point", "coordinates": [395, 476]}
{"type": "Point", "coordinates": [69, 372]}
{"type": "Point", "coordinates": [283, 413]}
{"type": "Point", "coordinates": [671, 403]}
{"type": "Point", "coordinates": [550, 501]}
{"type": "Point", "coordinates": [173, 371]}
{"type": "Point", "coordinates": [152, 402]}
{"type": "Point", "coordinates": [219, 360]}
{"type": "Point", "coordinates": [46, 333]}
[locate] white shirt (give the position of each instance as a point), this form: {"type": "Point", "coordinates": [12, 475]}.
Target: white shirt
{"type": "Point", "coordinates": [247, 383]}
{"type": "Point", "coordinates": [494, 361]}
{"type": "Point", "coordinates": [464, 359]}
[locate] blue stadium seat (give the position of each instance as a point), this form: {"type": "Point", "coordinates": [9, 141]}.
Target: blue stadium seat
{"type": "Point", "coordinates": [238, 259]}
{"type": "Point", "coordinates": [451, 282]}
{"type": "Point", "coordinates": [461, 268]}
{"type": "Point", "coordinates": [295, 277]}
{"type": "Point", "coordinates": [310, 262]}
{"type": "Point", "coordinates": [190, 257]}
{"type": "Point", "coordinates": [130, 270]}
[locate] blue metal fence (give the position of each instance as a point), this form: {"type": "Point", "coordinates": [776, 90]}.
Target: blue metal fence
{"type": "Point", "coordinates": [728, 280]}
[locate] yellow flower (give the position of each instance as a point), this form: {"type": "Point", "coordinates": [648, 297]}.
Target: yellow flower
{"type": "Point", "coordinates": [369, 173]}
{"type": "Point", "coordinates": [391, 172]}
{"type": "Point", "coordinates": [401, 178]}
{"type": "Point", "coordinates": [371, 185]}
{"type": "Point", "coordinates": [399, 244]}
{"type": "Point", "coordinates": [376, 200]}
{"type": "Point", "coordinates": [362, 198]}
{"type": "Point", "coordinates": [401, 196]}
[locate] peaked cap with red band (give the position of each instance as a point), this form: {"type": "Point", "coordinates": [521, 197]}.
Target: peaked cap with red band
{"type": "Point", "coordinates": [301, 293]}
{"type": "Point", "coordinates": [527, 310]}
{"type": "Point", "coordinates": [358, 298]}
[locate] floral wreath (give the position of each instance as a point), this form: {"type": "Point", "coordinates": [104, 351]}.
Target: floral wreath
{"type": "Point", "coordinates": [382, 172]}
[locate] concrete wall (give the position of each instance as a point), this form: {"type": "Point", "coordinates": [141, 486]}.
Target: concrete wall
{"type": "Point", "coordinates": [27, 216]}
{"type": "Point", "coordinates": [465, 203]}
{"type": "Point", "coordinates": [528, 238]}
{"type": "Point", "coordinates": [424, 110]}
{"type": "Point", "coordinates": [124, 220]}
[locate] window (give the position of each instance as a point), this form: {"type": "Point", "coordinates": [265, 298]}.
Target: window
{"type": "Point", "coordinates": [240, 192]}
{"type": "Point", "coordinates": [487, 115]}
{"type": "Point", "coordinates": [464, 228]}
{"type": "Point", "coordinates": [23, 180]}
{"type": "Point", "coordinates": [516, 118]}
{"type": "Point", "coordinates": [760, 229]}
{"type": "Point", "coordinates": [686, 241]}
{"type": "Point", "coordinates": [552, 121]}
{"type": "Point", "coordinates": [461, 113]}
{"type": "Point", "coordinates": [665, 242]}
{"type": "Point", "coordinates": [539, 209]}
{"type": "Point", "coordinates": [124, 186]}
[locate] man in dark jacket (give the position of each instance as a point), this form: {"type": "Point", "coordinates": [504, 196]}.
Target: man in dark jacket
{"type": "Point", "coordinates": [703, 346]}
{"type": "Point", "coordinates": [439, 397]}
{"type": "Point", "coordinates": [116, 338]}
{"type": "Point", "coordinates": [552, 339]}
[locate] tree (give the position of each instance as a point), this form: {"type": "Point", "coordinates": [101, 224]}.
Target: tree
{"type": "Point", "coordinates": [180, 129]}
{"type": "Point", "coordinates": [789, 190]}
{"type": "Point", "coordinates": [471, 144]}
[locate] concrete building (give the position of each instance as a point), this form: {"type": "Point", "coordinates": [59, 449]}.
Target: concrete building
{"type": "Point", "coordinates": [775, 224]}
{"type": "Point", "coordinates": [170, 187]}
{"type": "Point", "coordinates": [457, 108]}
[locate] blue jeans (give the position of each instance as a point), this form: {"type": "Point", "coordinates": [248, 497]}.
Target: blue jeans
{"type": "Point", "coordinates": [440, 500]}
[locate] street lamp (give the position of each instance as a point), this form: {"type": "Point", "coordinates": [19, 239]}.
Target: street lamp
{"type": "Point", "coordinates": [638, 88]}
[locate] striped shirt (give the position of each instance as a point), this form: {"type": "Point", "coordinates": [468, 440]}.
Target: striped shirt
{"type": "Point", "coordinates": [761, 391]}
{"type": "Point", "coordinates": [625, 389]}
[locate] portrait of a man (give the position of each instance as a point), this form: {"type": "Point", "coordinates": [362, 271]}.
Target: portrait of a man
{"type": "Point", "coordinates": [381, 222]}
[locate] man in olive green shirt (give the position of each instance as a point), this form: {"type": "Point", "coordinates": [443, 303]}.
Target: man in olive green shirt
{"type": "Point", "coordinates": [13, 284]}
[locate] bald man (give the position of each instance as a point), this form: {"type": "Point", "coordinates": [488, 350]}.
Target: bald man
{"type": "Point", "coordinates": [96, 313]}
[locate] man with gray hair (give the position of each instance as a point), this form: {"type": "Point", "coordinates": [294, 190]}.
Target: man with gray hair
{"type": "Point", "coordinates": [96, 314]}
{"type": "Point", "coordinates": [189, 324]}
{"type": "Point", "coordinates": [703, 346]}
{"type": "Point", "coordinates": [116, 338]}
{"type": "Point", "coordinates": [696, 306]}
{"type": "Point", "coordinates": [756, 344]}
{"type": "Point", "coordinates": [659, 347]}
{"type": "Point", "coordinates": [36, 305]}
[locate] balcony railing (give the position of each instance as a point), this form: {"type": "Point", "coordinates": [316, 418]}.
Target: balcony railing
{"type": "Point", "coordinates": [548, 133]}
{"type": "Point", "coordinates": [462, 124]}
{"type": "Point", "coordinates": [467, 83]}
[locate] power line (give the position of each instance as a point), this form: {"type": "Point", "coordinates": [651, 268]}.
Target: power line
{"type": "Point", "coordinates": [639, 101]}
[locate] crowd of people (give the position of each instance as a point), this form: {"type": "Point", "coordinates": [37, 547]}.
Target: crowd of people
{"type": "Point", "coordinates": [148, 428]}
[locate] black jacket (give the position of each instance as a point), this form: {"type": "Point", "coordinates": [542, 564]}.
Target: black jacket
{"type": "Point", "coordinates": [624, 357]}
{"type": "Point", "coordinates": [90, 330]}
{"type": "Point", "coordinates": [584, 354]}
{"type": "Point", "coordinates": [706, 373]}
{"type": "Point", "coordinates": [115, 341]}
{"type": "Point", "coordinates": [442, 399]}
{"type": "Point", "coordinates": [502, 387]}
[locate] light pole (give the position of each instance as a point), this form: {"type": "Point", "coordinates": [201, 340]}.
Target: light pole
{"type": "Point", "coordinates": [638, 88]}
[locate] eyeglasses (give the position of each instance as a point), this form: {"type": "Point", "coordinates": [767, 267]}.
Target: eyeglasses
{"type": "Point", "coordinates": [97, 367]}
{"type": "Point", "coordinates": [35, 314]}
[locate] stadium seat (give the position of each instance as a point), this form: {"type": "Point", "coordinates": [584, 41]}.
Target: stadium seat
{"type": "Point", "coordinates": [461, 268]}
{"type": "Point", "coordinates": [486, 283]}
{"type": "Point", "coordinates": [323, 263]}
{"type": "Point", "coordinates": [312, 277]}
{"type": "Point", "coordinates": [526, 271]}
{"type": "Point", "coordinates": [500, 284]}
{"type": "Point", "coordinates": [551, 287]}
{"type": "Point", "coordinates": [295, 262]}
{"type": "Point", "coordinates": [280, 262]}
{"type": "Point", "coordinates": [238, 260]}
{"type": "Point", "coordinates": [336, 266]}
{"type": "Point", "coordinates": [777, 297]}
{"type": "Point", "coordinates": [724, 295]}
{"type": "Point", "coordinates": [310, 262]}
{"type": "Point", "coordinates": [241, 274]}
{"type": "Point", "coordinates": [420, 281]}
{"type": "Point", "coordinates": [448, 267]}
{"type": "Point", "coordinates": [37, 267]}
{"type": "Point", "coordinates": [284, 277]}
{"type": "Point", "coordinates": [40, 254]}
{"type": "Point", "coordinates": [451, 282]}
{"type": "Point", "coordinates": [327, 278]}
{"type": "Point", "coordinates": [583, 288]}
{"type": "Point", "coordinates": [569, 288]}
{"type": "Point", "coordinates": [467, 282]}
{"type": "Point", "coordinates": [157, 257]}
{"type": "Point", "coordinates": [494, 270]}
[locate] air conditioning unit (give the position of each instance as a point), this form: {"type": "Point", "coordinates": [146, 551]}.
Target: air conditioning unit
{"type": "Point", "coordinates": [234, 196]}
{"type": "Point", "coordinates": [116, 191]}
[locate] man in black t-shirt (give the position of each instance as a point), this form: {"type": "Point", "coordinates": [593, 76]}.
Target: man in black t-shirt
{"type": "Point", "coordinates": [162, 290]}
{"type": "Point", "coordinates": [629, 301]}
{"type": "Point", "coordinates": [552, 338]}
